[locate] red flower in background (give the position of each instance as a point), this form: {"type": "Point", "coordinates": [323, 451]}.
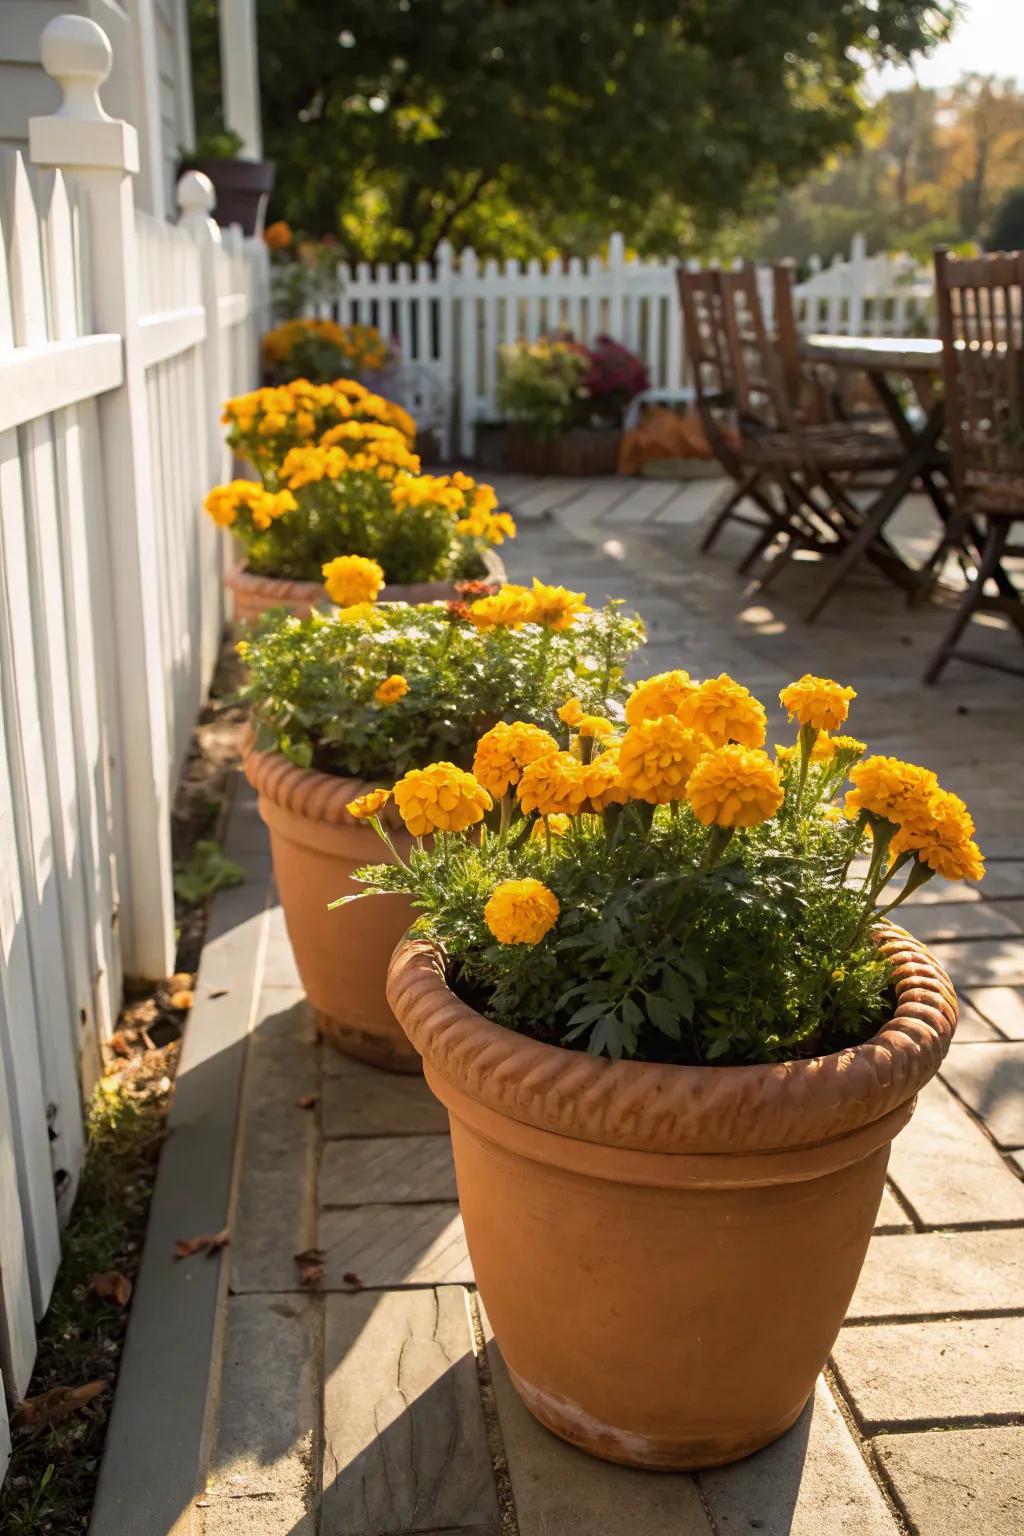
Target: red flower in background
{"type": "Point", "coordinates": [614, 370]}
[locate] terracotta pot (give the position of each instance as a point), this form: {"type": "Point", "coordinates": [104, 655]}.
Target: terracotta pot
{"type": "Point", "coordinates": [667, 1253]}
{"type": "Point", "coordinates": [342, 956]}
{"type": "Point", "coordinates": [255, 595]}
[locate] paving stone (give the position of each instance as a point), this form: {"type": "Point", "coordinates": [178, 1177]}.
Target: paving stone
{"type": "Point", "coordinates": [935, 1273]}
{"type": "Point", "coordinates": [933, 1372]}
{"type": "Point", "coordinates": [990, 1079]}
{"type": "Point", "coordinates": [393, 1245]}
{"type": "Point", "coordinates": [276, 1214]}
{"type": "Point", "coordinates": [966, 1482]}
{"type": "Point", "coordinates": [560, 1491]}
{"type": "Point", "coordinates": [405, 1447]}
{"type": "Point", "coordinates": [891, 1215]}
{"type": "Point", "coordinates": [1003, 877]}
{"type": "Point", "coordinates": [812, 1482]}
{"type": "Point", "coordinates": [364, 1101]}
{"type": "Point", "coordinates": [971, 1027]}
{"type": "Point", "coordinates": [387, 1169]}
{"type": "Point", "coordinates": [1003, 1007]}
{"type": "Point", "coordinates": [946, 1168]}
{"type": "Point", "coordinates": [260, 1471]}
{"type": "Point", "coordinates": [960, 920]}
{"type": "Point", "coordinates": [976, 963]}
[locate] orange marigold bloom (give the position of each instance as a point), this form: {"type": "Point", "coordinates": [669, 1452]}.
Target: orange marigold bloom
{"type": "Point", "coordinates": [659, 695]}
{"type": "Point", "coordinates": [509, 608]}
{"type": "Point", "coordinates": [657, 757]}
{"type": "Point", "coordinates": [941, 835]}
{"type": "Point", "coordinates": [370, 804]}
{"type": "Point", "coordinates": [505, 750]}
{"type": "Point", "coordinates": [352, 579]}
{"type": "Point", "coordinates": [521, 911]}
{"type": "Point", "coordinates": [556, 607]}
{"type": "Point", "coordinates": [441, 798]}
{"type": "Point", "coordinates": [725, 711]}
{"type": "Point", "coordinates": [735, 786]}
{"type": "Point", "coordinates": [554, 785]}
{"type": "Point", "coordinates": [391, 689]}
{"type": "Point", "coordinates": [603, 782]}
{"type": "Point", "coordinates": [817, 701]}
{"type": "Point", "coordinates": [890, 788]}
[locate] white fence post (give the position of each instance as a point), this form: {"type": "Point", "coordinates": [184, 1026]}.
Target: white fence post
{"type": "Point", "coordinates": [197, 200]}
{"type": "Point", "coordinates": [100, 154]}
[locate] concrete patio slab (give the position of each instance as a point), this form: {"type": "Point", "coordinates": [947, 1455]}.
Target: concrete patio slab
{"type": "Point", "coordinates": [964, 1481]}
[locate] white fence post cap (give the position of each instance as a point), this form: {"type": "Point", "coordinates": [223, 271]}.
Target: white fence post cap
{"type": "Point", "coordinates": [196, 194]}
{"type": "Point", "coordinates": [80, 135]}
{"type": "Point", "coordinates": [76, 52]}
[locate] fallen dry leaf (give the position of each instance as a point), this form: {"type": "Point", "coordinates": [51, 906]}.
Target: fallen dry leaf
{"type": "Point", "coordinates": [308, 1100]}
{"type": "Point", "coordinates": [112, 1286]}
{"type": "Point", "coordinates": [311, 1265]}
{"type": "Point", "coordinates": [352, 1279]}
{"type": "Point", "coordinates": [182, 1000]}
{"type": "Point", "coordinates": [56, 1405]}
{"type": "Point", "coordinates": [209, 1244]}
{"type": "Point", "coordinates": [217, 992]}
{"type": "Point", "coordinates": [120, 1043]}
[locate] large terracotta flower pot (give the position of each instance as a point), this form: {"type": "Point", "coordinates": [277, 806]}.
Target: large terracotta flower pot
{"type": "Point", "coordinates": [342, 956]}
{"type": "Point", "coordinates": [667, 1253]}
{"type": "Point", "coordinates": [254, 595]}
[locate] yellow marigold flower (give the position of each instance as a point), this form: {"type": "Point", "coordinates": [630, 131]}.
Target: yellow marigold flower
{"type": "Point", "coordinates": [735, 786]}
{"type": "Point", "coordinates": [370, 804]}
{"type": "Point", "coordinates": [521, 911]}
{"type": "Point", "coordinates": [500, 526]}
{"type": "Point", "coordinates": [554, 785]}
{"type": "Point", "coordinates": [391, 689]}
{"type": "Point", "coordinates": [659, 695]}
{"type": "Point", "coordinates": [556, 607]}
{"type": "Point", "coordinates": [725, 711]}
{"type": "Point", "coordinates": [549, 826]}
{"type": "Point", "coordinates": [510, 607]}
{"type": "Point", "coordinates": [657, 757]}
{"type": "Point", "coordinates": [441, 798]}
{"type": "Point", "coordinates": [890, 788]}
{"type": "Point", "coordinates": [941, 834]}
{"type": "Point", "coordinates": [603, 782]}
{"type": "Point", "coordinates": [505, 750]}
{"type": "Point", "coordinates": [571, 713]}
{"type": "Point", "coordinates": [352, 579]}
{"type": "Point", "coordinates": [817, 701]}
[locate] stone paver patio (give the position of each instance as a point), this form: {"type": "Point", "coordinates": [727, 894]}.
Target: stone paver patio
{"type": "Point", "coordinates": [378, 1404]}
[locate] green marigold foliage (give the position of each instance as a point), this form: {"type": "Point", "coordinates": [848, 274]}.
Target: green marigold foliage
{"type": "Point", "coordinates": [312, 682]}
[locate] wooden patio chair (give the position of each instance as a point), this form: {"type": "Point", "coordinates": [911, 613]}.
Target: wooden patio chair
{"type": "Point", "coordinates": [814, 465]}
{"type": "Point", "coordinates": [980, 304]}
{"type": "Point", "coordinates": [705, 353]}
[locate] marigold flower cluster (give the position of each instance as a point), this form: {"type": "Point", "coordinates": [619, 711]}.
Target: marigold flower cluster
{"type": "Point", "coordinates": [263, 424]}
{"type": "Point", "coordinates": [360, 348]}
{"type": "Point", "coordinates": [817, 702]}
{"type": "Point", "coordinates": [505, 750]}
{"type": "Point", "coordinates": [930, 822]}
{"type": "Point", "coordinates": [381, 457]}
{"type": "Point", "coordinates": [247, 499]}
{"type": "Point", "coordinates": [474, 507]}
{"type": "Point", "coordinates": [511, 606]}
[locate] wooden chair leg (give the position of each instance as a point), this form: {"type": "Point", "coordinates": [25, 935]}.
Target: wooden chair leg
{"type": "Point", "coordinates": [998, 534]}
{"type": "Point", "coordinates": [872, 523]}
{"type": "Point", "coordinates": [732, 501]}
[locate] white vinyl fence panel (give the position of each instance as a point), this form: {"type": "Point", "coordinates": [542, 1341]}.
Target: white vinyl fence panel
{"type": "Point", "coordinates": [451, 317]}
{"type": "Point", "coordinates": [120, 336]}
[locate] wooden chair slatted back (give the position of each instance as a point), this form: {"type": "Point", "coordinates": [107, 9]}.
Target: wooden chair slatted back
{"type": "Point", "coordinates": [708, 358]}
{"type": "Point", "coordinates": [755, 365]}
{"type": "Point", "coordinates": [980, 302]}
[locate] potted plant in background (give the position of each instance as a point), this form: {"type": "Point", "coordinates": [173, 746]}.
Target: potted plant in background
{"type": "Point", "coordinates": [675, 1038]}
{"type": "Point", "coordinates": [351, 488]}
{"type": "Point", "coordinates": [243, 186]}
{"type": "Point", "coordinates": [564, 403]}
{"type": "Point", "coordinates": [344, 703]}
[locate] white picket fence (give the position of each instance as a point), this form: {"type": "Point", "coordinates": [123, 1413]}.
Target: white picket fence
{"type": "Point", "coordinates": [451, 317]}
{"type": "Point", "coordinates": [119, 337]}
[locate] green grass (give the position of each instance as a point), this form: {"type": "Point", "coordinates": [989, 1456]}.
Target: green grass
{"type": "Point", "coordinates": [52, 1477]}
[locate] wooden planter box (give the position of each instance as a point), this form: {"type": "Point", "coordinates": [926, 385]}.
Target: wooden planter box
{"type": "Point", "coordinates": [583, 452]}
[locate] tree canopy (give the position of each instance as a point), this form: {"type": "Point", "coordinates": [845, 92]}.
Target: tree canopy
{"type": "Point", "coordinates": [518, 125]}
